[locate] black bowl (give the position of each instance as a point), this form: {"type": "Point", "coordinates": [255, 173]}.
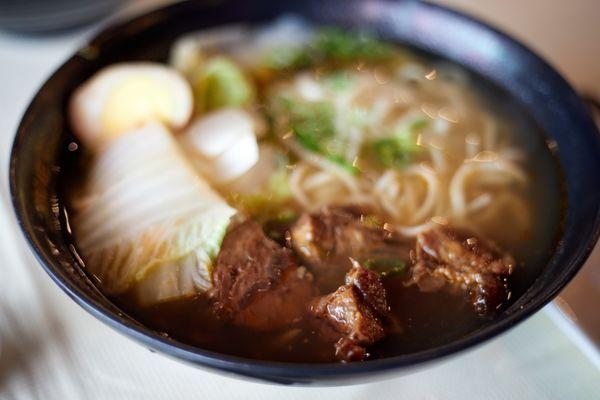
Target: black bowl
{"type": "Point", "coordinates": [36, 160]}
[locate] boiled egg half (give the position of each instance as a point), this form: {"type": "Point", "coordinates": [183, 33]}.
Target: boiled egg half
{"type": "Point", "coordinates": [125, 96]}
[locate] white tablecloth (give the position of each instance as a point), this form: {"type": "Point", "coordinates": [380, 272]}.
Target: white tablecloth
{"type": "Point", "coordinates": [52, 349]}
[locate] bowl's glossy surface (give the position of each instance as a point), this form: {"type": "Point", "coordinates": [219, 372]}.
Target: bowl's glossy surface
{"type": "Point", "coordinates": [43, 135]}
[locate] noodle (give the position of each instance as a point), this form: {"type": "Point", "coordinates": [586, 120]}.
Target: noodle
{"type": "Point", "coordinates": [295, 186]}
{"type": "Point", "coordinates": [397, 194]}
{"type": "Point", "coordinates": [490, 172]}
{"type": "Point", "coordinates": [463, 171]}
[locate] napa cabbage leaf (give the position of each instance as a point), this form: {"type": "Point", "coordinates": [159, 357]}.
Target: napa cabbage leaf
{"type": "Point", "coordinates": [147, 222]}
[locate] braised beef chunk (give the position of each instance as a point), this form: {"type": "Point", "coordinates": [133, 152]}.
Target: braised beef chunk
{"type": "Point", "coordinates": [454, 260]}
{"type": "Point", "coordinates": [369, 285]}
{"type": "Point", "coordinates": [325, 241]}
{"type": "Point", "coordinates": [257, 283]}
{"type": "Point", "coordinates": [353, 314]}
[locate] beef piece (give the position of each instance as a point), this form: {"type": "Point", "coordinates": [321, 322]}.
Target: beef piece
{"type": "Point", "coordinates": [456, 261]}
{"type": "Point", "coordinates": [369, 285]}
{"type": "Point", "coordinates": [349, 321]}
{"type": "Point", "coordinates": [285, 303]}
{"type": "Point", "coordinates": [257, 283]}
{"type": "Point", "coordinates": [325, 242]}
{"type": "Point", "coordinates": [353, 315]}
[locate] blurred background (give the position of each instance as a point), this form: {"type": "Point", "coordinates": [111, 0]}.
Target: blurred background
{"type": "Point", "coordinates": [36, 36]}
{"type": "Point", "coordinates": [565, 33]}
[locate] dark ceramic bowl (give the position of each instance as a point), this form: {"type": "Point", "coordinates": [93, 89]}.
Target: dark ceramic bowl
{"type": "Point", "coordinates": [37, 161]}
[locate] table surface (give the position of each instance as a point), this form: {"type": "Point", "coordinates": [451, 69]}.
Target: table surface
{"type": "Point", "coordinates": [52, 349]}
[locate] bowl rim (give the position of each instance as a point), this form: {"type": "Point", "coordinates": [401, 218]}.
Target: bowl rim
{"type": "Point", "coordinates": [273, 370]}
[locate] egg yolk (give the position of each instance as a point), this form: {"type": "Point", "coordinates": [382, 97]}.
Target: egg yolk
{"type": "Point", "coordinates": [135, 102]}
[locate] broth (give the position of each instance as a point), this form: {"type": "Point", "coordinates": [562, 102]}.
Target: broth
{"type": "Point", "coordinates": [432, 321]}
{"type": "Point", "coordinates": [426, 320]}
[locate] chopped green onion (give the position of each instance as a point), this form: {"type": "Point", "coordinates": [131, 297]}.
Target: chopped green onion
{"type": "Point", "coordinates": [286, 215]}
{"type": "Point", "coordinates": [312, 121]}
{"type": "Point", "coordinates": [398, 149]}
{"type": "Point", "coordinates": [386, 267]}
{"type": "Point", "coordinates": [339, 45]}
{"type": "Point", "coordinates": [342, 162]}
{"type": "Point", "coordinates": [284, 57]}
{"type": "Point", "coordinates": [278, 185]}
{"type": "Point", "coordinates": [405, 135]}
{"type": "Point", "coordinates": [329, 45]}
{"type": "Point", "coordinates": [394, 271]}
{"type": "Point", "coordinates": [372, 221]}
{"type": "Point", "coordinates": [390, 153]}
{"type": "Point", "coordinates": [313, 126]}
{"type": "Point", "coordinates": [337, 81]}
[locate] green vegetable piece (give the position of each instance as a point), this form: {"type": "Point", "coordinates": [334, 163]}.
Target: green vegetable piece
{"type": "Point", "coordinates": [272, 201]}
{"type": "Point", "coordinates": [337, 81]}
{"type": "Point", "coordinates": [372, 221]}
{"type": "Point", "coordinates": [222, 84]}
{"type": "Point", "coordinates": [282, 58]}
{"type": "Point", "coordinates": [386, 267]}
{"type": "Point", "coordinates": [313, 126]}
{"type": "Point", "coordinates": [397, 150]}
{"type": "Point", "coordinates": [279, 186]}
{"type": "Point", "coordinates": [339, 45]}
{"type": "Point", "coordinates": [329, 45]}
{"type": "Point", "coordinates": [394, 271]}
{"type": "Point", "coordinates": [342, 162]}
{"type": "Point", "coordinates": [286, 215]}
{"type": "Point", "coordinates": [390, 153]}
{"type": "Point", "coordinates": [313, 121]}
{"type": "Point", "coordinates": [406, 134]}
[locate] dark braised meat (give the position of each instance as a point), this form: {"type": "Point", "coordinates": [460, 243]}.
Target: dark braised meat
{"type": "Point", "coordinates": [369, 285]}
{"type": "Point", "coordinates": [456, 261]}
{"type": "Point", "coordinates": [353, 315]}
{"type": "Point", "coordinates": [325, 242]}
{"type": "Point", "coordinates": [257, 283]}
